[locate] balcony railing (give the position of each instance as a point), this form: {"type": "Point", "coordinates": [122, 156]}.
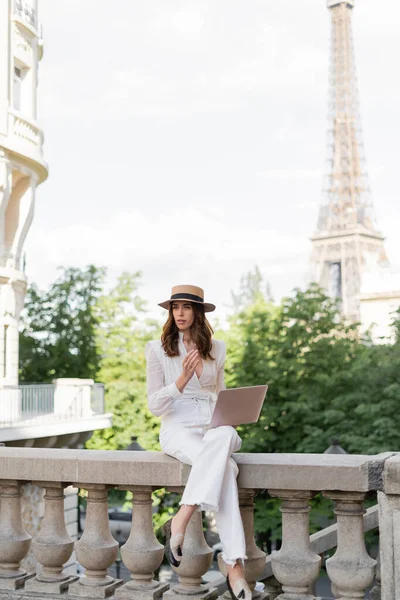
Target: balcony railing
{"type": "Point", "coordinates": [43, 403]}
{"type": "Point", "coordinates": [289, 574]}
{"type": "Point", "coordinates": [97, 400]}
{"type": "Point", "coordinates": [25, 130]}
{"type": "Point", "coordinates": [25, 137]}
{"type": "Point", "coordinates": [37, 400]}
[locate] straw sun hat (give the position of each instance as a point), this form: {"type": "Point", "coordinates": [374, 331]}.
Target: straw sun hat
{"type": "Point", "coordinates": [191, 293]}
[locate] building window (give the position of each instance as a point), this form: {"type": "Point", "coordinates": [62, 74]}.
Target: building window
{"type": "Point", "coordinates": [17, 88]}
{"type": "Point", "coordinates": [335, 280]}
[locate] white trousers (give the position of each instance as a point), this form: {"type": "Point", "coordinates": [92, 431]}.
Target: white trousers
{"type": "Point", "coordinates": [212, 480]}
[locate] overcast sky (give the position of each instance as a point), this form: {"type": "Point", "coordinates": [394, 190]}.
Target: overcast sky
{"type": "Point", "coordinates": [187, 138]}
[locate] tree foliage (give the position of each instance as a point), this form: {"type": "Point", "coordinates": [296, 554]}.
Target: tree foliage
{"type": "Point", "coordinates": [58, 326]}
{"type": "Point", "coordinates": [280, 345]}
{"type": "Point", "coordinates": [324, 379]}
{"type": "Point", "coordinates": [358, 403]}
{"type": "Point", "coordinates": [121, 336]}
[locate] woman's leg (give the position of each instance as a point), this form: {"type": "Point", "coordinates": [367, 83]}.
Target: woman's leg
{"type": "Point", "coordinates": [209, 455]}
{"type": "Point", "coordinates": [205, 483]}
{"type": "Point", "coordinates": [230, 529]}
{"type": "Point", "coordinates": [185, 445]}
{"type": "Point", "coordinates": [210, 477]}
{"type": "Point", "coordinates": [212, 484]}
{"type": "Point", "coordinates": [229, 520]}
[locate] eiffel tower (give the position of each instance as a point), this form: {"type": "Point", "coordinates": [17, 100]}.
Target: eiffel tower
{"type": "Point", "coordinates": [347, 242]}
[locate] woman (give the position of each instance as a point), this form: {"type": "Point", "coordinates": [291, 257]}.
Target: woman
{"type": "Point", "coordinates": [185, 372]}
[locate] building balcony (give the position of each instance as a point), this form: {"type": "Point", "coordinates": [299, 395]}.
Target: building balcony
{"type": "Point", "coordinates": [289, 573]}
{"type": "Point", "coordinates": [64, 413]}
{"type": "Point", "coordinates": [25, 139]}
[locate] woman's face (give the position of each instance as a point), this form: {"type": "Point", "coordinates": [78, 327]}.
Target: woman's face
{"type": "Point", "coordinates": [183, 314]}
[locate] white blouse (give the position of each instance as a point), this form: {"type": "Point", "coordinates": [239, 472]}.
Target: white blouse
{"type": "Point", "coordinates": [197, 399]}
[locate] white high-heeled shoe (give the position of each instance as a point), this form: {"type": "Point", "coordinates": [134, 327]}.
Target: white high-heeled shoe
{"type": "Point", "coordinates": [239, 590]}
{"type": "Point", "coordinates": [173, 544]}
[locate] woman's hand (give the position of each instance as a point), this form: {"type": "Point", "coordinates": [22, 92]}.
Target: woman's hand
{"type": "Point", "coordinates": [189, 365]}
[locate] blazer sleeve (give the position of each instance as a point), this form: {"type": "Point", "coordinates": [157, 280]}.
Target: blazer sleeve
{"type": "Point", "coordinates": [160, 397]}
{"type": "Point", "coordinates": [220, 358]}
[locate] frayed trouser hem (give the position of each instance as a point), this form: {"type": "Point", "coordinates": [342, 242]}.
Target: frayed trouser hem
{"type": "Point", "coordinates": [201, 505]}
{"type": "Point", "coordinates": [231, 562]}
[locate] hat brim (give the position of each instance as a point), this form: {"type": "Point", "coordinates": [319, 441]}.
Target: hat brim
{"type": "Point", "coordinates": [208, 307]}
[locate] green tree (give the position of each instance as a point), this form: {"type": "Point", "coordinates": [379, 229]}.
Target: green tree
{"type": "Point", "coordinates": [57, 337]}
{"type": "Point", "coordinates": [358, 403]}
{"type": "Point", "coordinates": [121, 335]}
{"type": "Point", "coordinates": [289, 346]}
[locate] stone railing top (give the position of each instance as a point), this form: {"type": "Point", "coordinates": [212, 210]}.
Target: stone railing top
{"type": "Point", "coordinates": [315, 472]}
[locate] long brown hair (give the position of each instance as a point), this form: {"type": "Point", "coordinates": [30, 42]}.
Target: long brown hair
{"type": "Point", "coordinates": [201, 333]}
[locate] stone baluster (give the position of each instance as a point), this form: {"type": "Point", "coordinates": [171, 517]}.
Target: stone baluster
{"type": "Point", "coordinates": [53, 546]}
{"type": "Point", "coordinates": [272, 588]}
{"type": "Point", "coordinates": [97, 549]}
{"type": "Point", "coordinates": [142, 554]}
{"type": "Point", "coordinates": [14, 540]}
{"type": "Point", "coordinates": [295, 565]}
{"type": "Point", "coordinates": [255, 562]}
{"type": "Point", "coordinates": [196, 560]}
{"type": "Point", "coordinates": [376, 591]}
{"type": "Point", "coordinates": [350, 569]}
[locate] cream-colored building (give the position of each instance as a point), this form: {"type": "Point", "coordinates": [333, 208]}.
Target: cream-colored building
{"type": "Point", "coordinates": [22, 166]}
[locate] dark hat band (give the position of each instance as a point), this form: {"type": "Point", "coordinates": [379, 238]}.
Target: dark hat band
{"type": "Point", "coordinates": [183, 296]}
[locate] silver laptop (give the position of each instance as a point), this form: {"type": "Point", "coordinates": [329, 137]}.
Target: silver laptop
{"type": "Point", "coordinates": [237, 406]}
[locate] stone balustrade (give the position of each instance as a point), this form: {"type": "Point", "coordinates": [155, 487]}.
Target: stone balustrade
{"type": "Point", "coordinates": [294, 478]}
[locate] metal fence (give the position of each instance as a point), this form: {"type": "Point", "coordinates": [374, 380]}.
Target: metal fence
{"type": "Point", "coordinates": [37, 400]}
{"type": "Point", "coordinates": [35, 403]}
{"type": "Point", "coordinates": [97, 400]}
